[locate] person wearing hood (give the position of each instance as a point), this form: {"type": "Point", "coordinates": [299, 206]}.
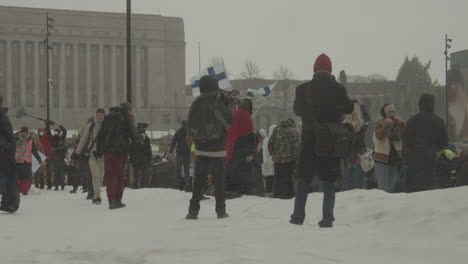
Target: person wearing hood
{"type": "Point", "coordinates": [283, 146]}
{"type": "Point", "coordinates": [25, 149]}
{"type": "Point", "coordinates": [320, 100]}
{"type": "Point", "coordinates": [114, 141]}
{"type": "Point", "coordinates": [425, 136]}
{"type": "Point", "coordinates": [8, 186]}
{"type": "Point", "coordinates": [86, 149]}
{"type": "Point", "coordinates": [240, 148]}
{"type": "Point", "coordinates": [208, 118]}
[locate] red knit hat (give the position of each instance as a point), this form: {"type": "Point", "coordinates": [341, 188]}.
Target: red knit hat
{"type": "Point", "coordinates": [323, 63]}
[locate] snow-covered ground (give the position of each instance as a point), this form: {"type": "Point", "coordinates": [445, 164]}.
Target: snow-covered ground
{"type": "Point", "coordinates": [371, 227]}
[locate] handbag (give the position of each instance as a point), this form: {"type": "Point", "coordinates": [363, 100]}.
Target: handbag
{"type": "Point", "coordinates": [367, 161]}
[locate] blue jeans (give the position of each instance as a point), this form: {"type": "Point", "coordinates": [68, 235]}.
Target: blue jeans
{"type": "Point", "coordinates": [301, 188]}
{"type": "Point", "coordinates": [183, 182]}
{"type": "Point", "coordinates": [353, 176]}
{"type": "Point", "coordinates": [387, 176]}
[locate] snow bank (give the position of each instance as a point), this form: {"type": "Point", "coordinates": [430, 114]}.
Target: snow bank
{"type": "Point", "coordinates": [371, 227]}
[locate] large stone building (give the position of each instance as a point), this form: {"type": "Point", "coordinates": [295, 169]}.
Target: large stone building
{"type": "Point", "coordinates": [88, 65]}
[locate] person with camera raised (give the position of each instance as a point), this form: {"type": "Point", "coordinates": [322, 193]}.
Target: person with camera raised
{"type": "Point", "coordinates": [87, 148]}
{"type": "Point", "coordinates": [209, 117]}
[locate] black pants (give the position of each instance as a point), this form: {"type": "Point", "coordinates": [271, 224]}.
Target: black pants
{"type": "Point", "coordinates": [140, 176]}
{"type": "Point", "coordinates": [202, 167]}
{"type": "Point", "coordinates": [59, 173]}
{"type": "Point", "coordinates": [10, 196]}
{"type": "Point", "coordinates": [282, 183]}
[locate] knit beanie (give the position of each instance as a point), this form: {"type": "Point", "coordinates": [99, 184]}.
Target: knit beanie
{"type": "Point", "coordinates": [323, 63]}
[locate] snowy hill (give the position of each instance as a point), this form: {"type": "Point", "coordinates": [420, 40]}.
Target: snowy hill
{"type": "Point", "coordinates": [371, 227]}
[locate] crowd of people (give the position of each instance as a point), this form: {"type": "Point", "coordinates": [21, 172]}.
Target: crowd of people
{"type": "Point", "coordinates": [230, 157]}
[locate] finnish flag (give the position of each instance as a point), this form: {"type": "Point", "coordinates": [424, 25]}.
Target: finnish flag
{"type": "Point", "coordinates": [265, 91]}
{"type": "Point", "coordinates": [217, 71]}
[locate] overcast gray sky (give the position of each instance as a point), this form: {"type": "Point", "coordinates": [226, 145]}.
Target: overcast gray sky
{"type": "Point", "coordinates": [360, 36]}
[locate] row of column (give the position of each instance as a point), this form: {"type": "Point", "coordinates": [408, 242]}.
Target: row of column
{"type": "Point", "coordinates": [101, 93]}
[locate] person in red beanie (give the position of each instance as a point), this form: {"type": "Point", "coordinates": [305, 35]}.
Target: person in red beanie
{"type": "Point", "coordinates": [320, 100]}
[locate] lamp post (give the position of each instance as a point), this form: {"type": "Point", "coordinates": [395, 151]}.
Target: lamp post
{"type": "Point", "coordinates": [49, 27]}
{"type": "Point", "coordinates": [448, 45]}
{"type": "Point", "coordinates": [129, 51]}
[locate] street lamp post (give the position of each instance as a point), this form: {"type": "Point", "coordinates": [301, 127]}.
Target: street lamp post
{"type": "Point", "coordinates": [49, 27]}
{"type": "Point", "coordinates": [448, 45]}
{"type": "Point", "coordinates": [129, 51]}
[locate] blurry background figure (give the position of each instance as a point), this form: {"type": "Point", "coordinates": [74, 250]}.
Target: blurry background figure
{"type": "Point", "coordinates": [283, 146]}
{"type": "Point", "coordinates": [352, 173]}
{"type": "Point", "coordinates": [25, 149]}
{"type": "Point", "coordinates": [268, 166]}
{"type": "Point", "coordinates": [181, 147]}
{"type": "Point", "coordinates": [140, 157]}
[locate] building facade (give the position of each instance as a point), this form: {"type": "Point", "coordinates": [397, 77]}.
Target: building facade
{"type": "Point", "coordinates": [88, 65]}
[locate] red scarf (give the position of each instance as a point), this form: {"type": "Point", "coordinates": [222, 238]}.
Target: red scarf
{"type": "Point", "coordinates": [242, 126]}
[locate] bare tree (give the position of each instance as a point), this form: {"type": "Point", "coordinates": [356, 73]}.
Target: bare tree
{"type": "Point", "coordinates": [283, 73]}
{"type": "Point", "coordinates": [251, 70]}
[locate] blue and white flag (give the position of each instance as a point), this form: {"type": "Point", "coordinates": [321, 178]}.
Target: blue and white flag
{"type": "Point", "coordinates": [217, 71]}
{"type": "Point", "coordinates": [265, 91]}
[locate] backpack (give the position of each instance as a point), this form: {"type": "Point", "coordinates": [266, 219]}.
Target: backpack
{"type": "Point", "coordinates": [332, 139]}
{"type": "Point", "coordinates": [209, 128]}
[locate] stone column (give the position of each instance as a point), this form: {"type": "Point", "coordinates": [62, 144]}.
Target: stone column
{"type": "Point", "coordinates": [9, 82]}
{"type": "Point", "coordinates": [37, 77]}
{"type": "Point", "coordinates": [136, 100]}
{"type": "Point", "coordinates": [88, 75]}
{"type": "Point", "coordinates": [115, 99]}
{"type": "Point", "coordinates": [22, 92]}
{"type": "Point", "coordinates": [61, 84]}
{"type": "Point", "coordinates": [75, 75]}
{"type": "Point", "coordinates": [101, 75]}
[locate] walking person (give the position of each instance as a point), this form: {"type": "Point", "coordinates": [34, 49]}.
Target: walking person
{"type": "Point", "coordinates": [425, 136]}
{"type": "Point", "coordinates": [25, 149]}
{"type": "Point", "coordinates": [388, 148]}
{"type": "Point", "coordinates": [114, 139]}
{"type": "Point", "coordinates": [8, 185]}
{"type": "Point", "coordinates": [86, 149]}
{"type": "Point", "coordinates": [209, 117]}
{"type": "Point", "coordinates": [182, 151]}
{"type": "Point", "coordinates": [283, 146]}
{"type": "Point", "coordinates": [321, 100]}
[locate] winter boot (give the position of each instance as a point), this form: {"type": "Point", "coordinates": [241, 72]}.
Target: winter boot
{"type": "Point", "coordinates": [325, 224]}
{"type": "Point", "coordinates": [120, 205]}
{"type": "Point", "coordinates": [222, 215]}
{"type": "Point", "coordinates": [97, 201]}
{"type": "Point", "coordinates": [191, 217]}
{"type": "Point", "coordinates": [112, 205]}
{"type": "Point", "coordinates": [8, 208]}
{"type": "Point", "coordinates": [56, 188]}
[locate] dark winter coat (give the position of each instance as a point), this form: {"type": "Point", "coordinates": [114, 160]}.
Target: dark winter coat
{"type": "Point", "coordinates": [7, 149]}
{"type": "Point", "coordinates": [425, 135]}
{"type": "Point", "coordinates": [117, 133]}
{"type": "Point", "coordinates": [243, 147]}
{"type": "Point", "coordinates": [179, 142]}
{"type": "Point", "coordinates": [59, 148]}
{"type": "Point", "coordinates": [283, 144]}
{"type": "Point", "coordinates": [141, 153]}
{"type": "Point", "coordinates": [333, 102]}
{"type": "Point", "coordinates": [209, 117]}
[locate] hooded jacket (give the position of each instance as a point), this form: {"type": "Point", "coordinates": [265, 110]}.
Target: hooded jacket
{"type": "Point", "coordinates": [242, 126]}
{"type": "Point", "coordinates": [425, 131]}
{"type": "Point", "coordinates": [208, 119]}
{"type": "Point", "coordinates": [283, 145]}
